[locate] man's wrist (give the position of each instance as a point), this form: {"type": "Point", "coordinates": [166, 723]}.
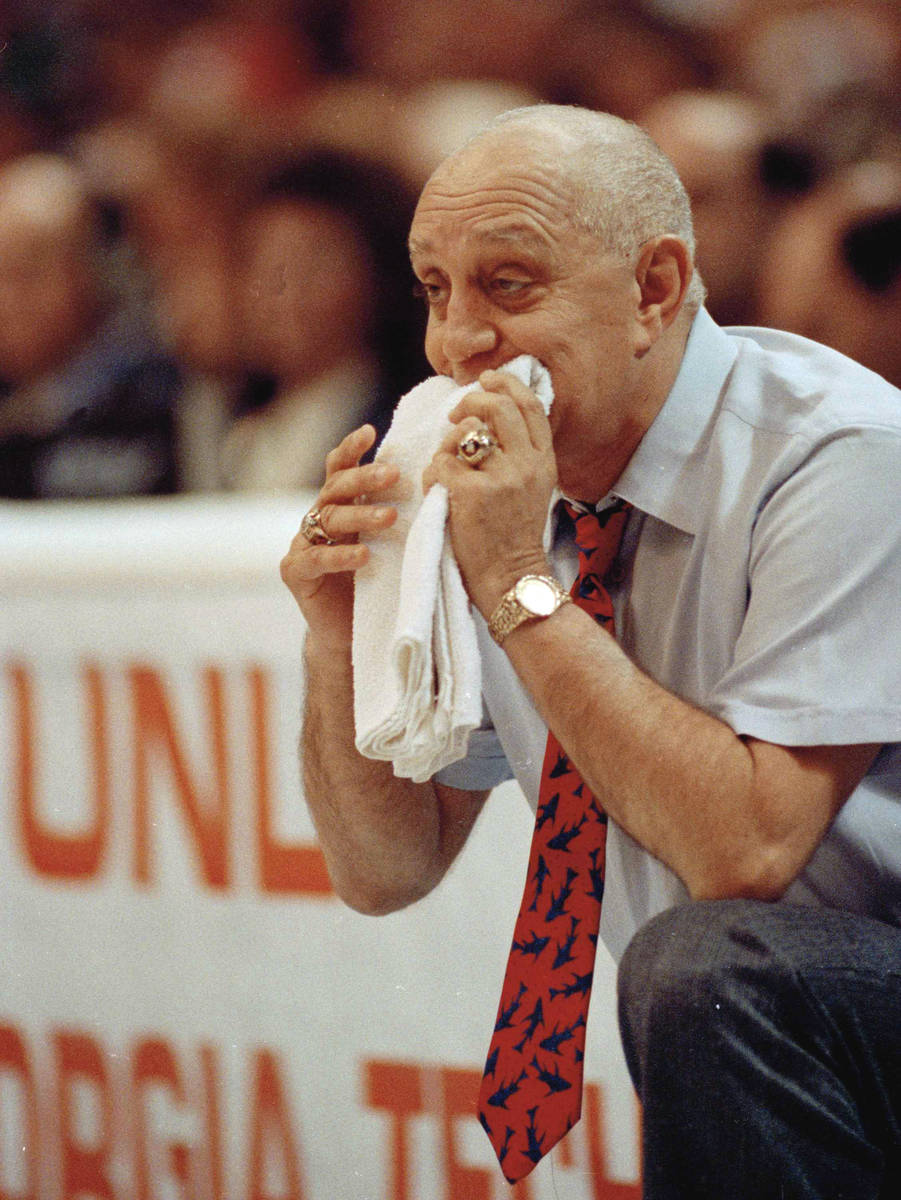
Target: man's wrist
{"type": "Point", "coordinates": [494, 585]}
{"type": "Point", "coordinates": [321, 654]}
{"type": "Point", "coordinates": [533, 597]}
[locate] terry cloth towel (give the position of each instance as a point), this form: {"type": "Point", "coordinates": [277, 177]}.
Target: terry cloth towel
{"type": "Point", "coordinates": [416, 668]}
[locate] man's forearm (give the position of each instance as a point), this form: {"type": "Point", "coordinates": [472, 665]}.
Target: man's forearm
{"type": "Point", "coordinates": [380, 834]}
{"type": "Point", "coordinates": [729, 815]}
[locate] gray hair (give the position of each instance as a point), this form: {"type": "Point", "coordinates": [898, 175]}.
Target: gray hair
{"type": "Point", "coordinates": [626, 190]}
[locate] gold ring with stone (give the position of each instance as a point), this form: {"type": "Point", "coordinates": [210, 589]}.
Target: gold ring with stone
{"type": "Point", "coordinates": [474, 447]}
{"type": "Point", "coordinates": [311, 528]}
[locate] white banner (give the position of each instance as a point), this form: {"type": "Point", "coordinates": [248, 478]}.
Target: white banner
{"type": "Point", "coordinates": [186, 1011]}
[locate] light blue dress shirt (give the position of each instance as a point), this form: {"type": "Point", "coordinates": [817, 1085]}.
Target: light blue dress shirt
{"type": "Point", "coordinates": [761, 581]}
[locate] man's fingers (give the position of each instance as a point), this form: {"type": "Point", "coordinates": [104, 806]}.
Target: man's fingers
{"type": "Point", "coordinates": [304, 566]}
{"type": "Point", "coordinates": [351, 484]}
{"type": "Point", "coordinates": [529, 405]}
{"type": "Point", "coordinates": [350, 450]}
{"type": "Point", "coordinates": [508, 408]}
{"type": "Point", "coordinates": [345, 521]}
{"type": "Point", "coordinates": [468, 424]}
{"type": "Point", "coordinates": [345, 511]}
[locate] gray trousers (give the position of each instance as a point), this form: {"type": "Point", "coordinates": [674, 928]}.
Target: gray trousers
{"type": "Point", "coordinates": [764, 1041]}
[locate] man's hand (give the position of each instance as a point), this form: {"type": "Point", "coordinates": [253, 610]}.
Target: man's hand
{"type": "Point", "coordinates": [498, 511]}
{"type": "Point", "coordinates": [321, 577]}
{"type": "Point", "coordinates": [386, 840]}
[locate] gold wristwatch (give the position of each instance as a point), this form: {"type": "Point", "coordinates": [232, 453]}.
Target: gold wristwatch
{"type": "Point", "coordinates": [531, 598]}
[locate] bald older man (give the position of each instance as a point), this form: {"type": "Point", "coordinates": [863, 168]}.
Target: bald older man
{"type": "Point", "coordinates": [739, 732]}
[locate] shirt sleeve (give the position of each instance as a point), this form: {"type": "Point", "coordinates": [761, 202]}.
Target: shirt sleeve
{"type": "Point", "coordinates": [484, 767]}
{"type": "Point", "coordinates": [818, 657]}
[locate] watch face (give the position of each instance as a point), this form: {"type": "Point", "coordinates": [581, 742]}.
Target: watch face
{"type": "Point", "coordinates": [537, 596]}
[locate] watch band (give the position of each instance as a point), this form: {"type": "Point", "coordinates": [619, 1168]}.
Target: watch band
{"type": "Point", "coordinates": [511, 611]}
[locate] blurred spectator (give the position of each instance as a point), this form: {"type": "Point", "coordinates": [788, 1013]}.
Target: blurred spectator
{"type": "Point", "coordinates": [46, 66]}
{"type": "Point", "coordinates": [182, 211]}
{"type": "Point", "coordinates": [85, 394]}
{"type": "Point", "coordinates": [17, 134]}
{"type": "Point", "coordinates": [715, 140]}
{"type": "Point", "coordinates": [329, 316]}
{"type": "Point", "coordinates": [620, 59]}
{"type": "Point", "coordinates": [176, 109]}
{"type": "Point", "coordinates": [408, 42]}
{"type": "Point", "coordinates": [832, 271]}
{"type": "Point", "coordinates": [844, 127]}
{"type": "Point", "coordinates": [437, 118]}
{"type": "Point", "coordinates": [795, 55]}
{"type": "Point", "coordinates": [187, 221]}
{"type": "Point", "coordinates": [354, 115]}
{"type": "Point", "coordinates": [128, 39]}
{"type": "Point", "coordinates": [227, 86]}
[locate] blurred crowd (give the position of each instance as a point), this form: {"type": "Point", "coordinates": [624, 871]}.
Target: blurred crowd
{"type": "Point", "coordinates": [204, 204]}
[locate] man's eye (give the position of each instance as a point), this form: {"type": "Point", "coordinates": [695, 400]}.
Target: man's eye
{"type": "Point", "coordinates": [508, 286]}
{"type": "Point", "coordinates": [432, 293]}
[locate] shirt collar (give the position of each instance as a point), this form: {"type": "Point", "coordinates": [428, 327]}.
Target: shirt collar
{"type": "Point", "coordinates": [664, 477]}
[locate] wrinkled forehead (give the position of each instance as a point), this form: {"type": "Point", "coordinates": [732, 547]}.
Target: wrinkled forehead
{"type": "Point", "coordinates": [514, 151]}
{"type": "Point", "coordinates": [501, 186]}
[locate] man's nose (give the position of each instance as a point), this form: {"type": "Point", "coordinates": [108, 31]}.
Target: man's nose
{"type": "Point", "coordinates": [468, 336]}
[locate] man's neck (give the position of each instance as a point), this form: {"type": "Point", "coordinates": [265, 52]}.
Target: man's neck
{"type": "Point", "coordinates": [589, 470]}
{"type": "Point", "coordinates": [592, 474]}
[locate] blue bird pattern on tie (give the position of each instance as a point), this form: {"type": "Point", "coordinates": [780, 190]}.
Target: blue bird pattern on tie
{"type": "Point", "coordinates": [531, 1092]}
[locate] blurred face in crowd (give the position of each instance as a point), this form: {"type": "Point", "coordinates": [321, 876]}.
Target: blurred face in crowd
{"type": "Point", "coordinates": [827, 272]}
{"type": "Point", "coordinates": [475, 39]}
{"type": "Point", "coordinates": [48, 297]}
{"type": "Point", "coordinates": [308, 290]}
{"type": "Point", "coordinates": [713, 140]}
{"type": "Point", "coordinates": [505, 272]}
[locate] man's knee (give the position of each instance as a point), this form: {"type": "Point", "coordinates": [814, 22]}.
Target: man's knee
{"type": "Point", "coordinates": [666, 956]}
{"type": "Point", "coordinates": [783, 1018]}
{"type": "Point", "coordinates": [681, 970]}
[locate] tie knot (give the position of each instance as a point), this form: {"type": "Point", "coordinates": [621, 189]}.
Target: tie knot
{"type": "Point", "coordinates": [598, 535]}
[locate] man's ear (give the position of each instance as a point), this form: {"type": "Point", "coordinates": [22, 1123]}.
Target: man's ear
{"type": "Point", "coordinates": [663, 273]}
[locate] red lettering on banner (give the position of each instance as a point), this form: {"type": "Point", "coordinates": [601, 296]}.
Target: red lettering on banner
{"type": "Point", "coordinates": [460, 1091]}
{"type": "Point", "coordinates": [209, 1069]}
{"type": "Point", "coordinates": [207, 819]}
{"type": "Point", "coordinates": [459, 1088]}
{"type": "Point", "coordinates": [15, 1060]}
{"type": "Point", "coordinates": [271, 1133]}
{"type": "Point", "coordinates": [399, 1089]}
{"type": "Point", "coordinates": [93, 1119]}
{"type": "Point", "coordinates": [284, 867]}
{"type": "Point", "coordinates": [396, 1088]}
{"type": "Point", "coordinates": [58, 855]}
{"type": "Point", "coordinates": [603, 1188]}
{"type": "Point", "coordinates": [153, 1062]}
{"type": "Point", "coordinates": [85, 1167]}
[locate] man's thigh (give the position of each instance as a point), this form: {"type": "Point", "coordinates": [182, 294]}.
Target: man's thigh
{"type": "Point", "coordinates": [757, 1025]}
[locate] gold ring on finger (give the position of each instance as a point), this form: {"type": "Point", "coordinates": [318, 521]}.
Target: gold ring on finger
{"type": "Point", "coordinates": [474, 447]}
{"type": "Point", "coordinates": [311, 528]}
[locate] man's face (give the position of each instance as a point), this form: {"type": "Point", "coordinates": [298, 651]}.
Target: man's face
{"type": "Point", "coordinates": [504, 272]}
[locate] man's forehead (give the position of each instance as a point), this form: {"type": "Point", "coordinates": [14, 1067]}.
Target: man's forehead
{"type": "Point", "coordinates": [499, 155]}
{"type": "Point", "coordinates": [495, 194]}
{"type": "Point", "coordinates": [501, 232]}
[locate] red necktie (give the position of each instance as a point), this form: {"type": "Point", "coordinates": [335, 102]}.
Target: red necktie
{"type": "Point", "coordinates": [531, 1092]}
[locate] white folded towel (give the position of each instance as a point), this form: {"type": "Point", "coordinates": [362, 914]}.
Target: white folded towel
{"type": "Point", "coordinates": [417, 673]}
